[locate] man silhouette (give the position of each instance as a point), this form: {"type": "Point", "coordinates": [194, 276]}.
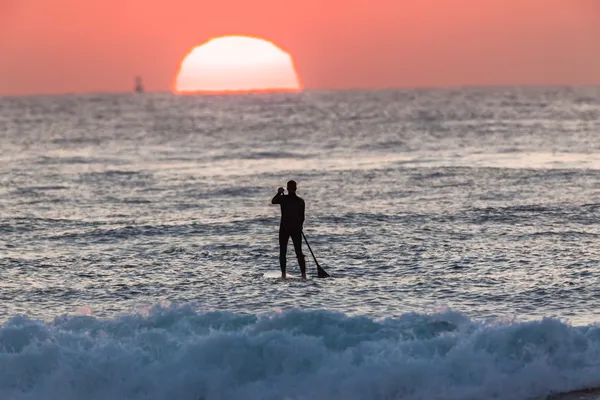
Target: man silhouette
{"type": "Point", "coordinates": [292, 220]}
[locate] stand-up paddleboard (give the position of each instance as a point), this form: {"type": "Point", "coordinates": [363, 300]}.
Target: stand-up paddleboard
{"type": "Point", "coordinates": [584, 394]}
{"type": "Point", "coordinates": [277, 274]}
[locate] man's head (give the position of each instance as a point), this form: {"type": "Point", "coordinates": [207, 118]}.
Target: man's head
{"type": "Point", "coordinates": [291, 186]}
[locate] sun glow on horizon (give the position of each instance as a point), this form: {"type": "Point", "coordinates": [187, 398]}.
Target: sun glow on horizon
{"type": "Point", "coordinates": [236, 64]}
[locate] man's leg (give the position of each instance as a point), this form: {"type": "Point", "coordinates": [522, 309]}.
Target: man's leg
{"type": "Point", "coordinates": [297, 239]}
{"type": "Point", "coordinates": [283, 242]}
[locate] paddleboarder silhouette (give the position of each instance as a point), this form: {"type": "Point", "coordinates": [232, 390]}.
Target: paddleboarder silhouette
{"type": "Point", "coordinates": [292, 220]}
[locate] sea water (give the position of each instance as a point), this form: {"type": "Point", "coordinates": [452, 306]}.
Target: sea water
{"type": "Point", "coordinates": [459, 227]}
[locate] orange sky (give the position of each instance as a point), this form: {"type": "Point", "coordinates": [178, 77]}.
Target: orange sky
{"type": "Point", "coordinates": [58, 46]}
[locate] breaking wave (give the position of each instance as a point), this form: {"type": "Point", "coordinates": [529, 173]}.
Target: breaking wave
{"type": "Point", "coordinates": [180, 353]}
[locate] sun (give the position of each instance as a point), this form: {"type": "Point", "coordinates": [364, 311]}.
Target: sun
{"type": "Point", "coordinates": [236, 64]}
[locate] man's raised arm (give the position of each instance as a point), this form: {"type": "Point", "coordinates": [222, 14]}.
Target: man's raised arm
{"type": "Point", "coordinates": [275, 200]}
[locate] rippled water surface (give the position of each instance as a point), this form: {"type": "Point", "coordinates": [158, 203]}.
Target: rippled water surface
{"type": "Point", "coordinates": [485, 201]}
{"type": "Point", "coordinates": [482, 201]}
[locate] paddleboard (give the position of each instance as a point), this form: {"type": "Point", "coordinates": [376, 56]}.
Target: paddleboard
{"type": "Point", "coordinates": [277, 274]}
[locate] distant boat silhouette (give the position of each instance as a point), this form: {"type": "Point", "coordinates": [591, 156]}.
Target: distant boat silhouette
{"type": "Point", "coordinates": [139, 87]}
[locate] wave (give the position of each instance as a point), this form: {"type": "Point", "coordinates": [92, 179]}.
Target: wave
{"type": "Point", "coordinates": [178, 352]}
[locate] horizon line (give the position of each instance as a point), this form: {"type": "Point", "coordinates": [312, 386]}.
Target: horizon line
{"type": "Point", "coordinates": [263, 93]}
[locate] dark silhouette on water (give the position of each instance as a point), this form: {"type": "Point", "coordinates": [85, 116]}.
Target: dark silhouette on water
{"type": "Point", "coordinates": [139, 87]}
{"type": "Point", "coordinates": [292, 220]}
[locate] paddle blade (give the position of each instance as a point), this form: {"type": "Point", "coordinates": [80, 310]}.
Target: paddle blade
{"type": "Point", "coordinates": [321, 273]}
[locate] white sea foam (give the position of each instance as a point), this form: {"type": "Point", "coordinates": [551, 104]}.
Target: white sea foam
{"type": "Point", "coordinates": [179, 353]}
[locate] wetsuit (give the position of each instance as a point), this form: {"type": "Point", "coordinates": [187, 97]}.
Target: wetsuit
{"type": "Point", "coordinates": [292, 220]}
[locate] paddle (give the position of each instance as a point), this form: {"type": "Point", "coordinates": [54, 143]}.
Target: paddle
{"type": "Point", "coordinates": [320, 271]}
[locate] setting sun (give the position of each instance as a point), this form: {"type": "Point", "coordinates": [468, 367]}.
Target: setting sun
{"type": "Point", "coordinates": [237, 64]}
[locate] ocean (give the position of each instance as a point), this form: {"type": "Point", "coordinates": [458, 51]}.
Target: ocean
{"type": "Point", "coordinates": [460, 228]}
